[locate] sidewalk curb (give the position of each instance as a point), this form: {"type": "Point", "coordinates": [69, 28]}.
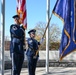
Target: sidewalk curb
{"type": "Point", "coordinates": [42, 63]}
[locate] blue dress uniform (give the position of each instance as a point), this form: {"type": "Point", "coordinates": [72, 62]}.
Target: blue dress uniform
{"type": "Point", "coordinates": [31, 52]}
{"type": "Point", "coordinates": [16, 47]}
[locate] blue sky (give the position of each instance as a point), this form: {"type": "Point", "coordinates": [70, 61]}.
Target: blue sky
{"type": "Point", "coordinates": [36, 12]}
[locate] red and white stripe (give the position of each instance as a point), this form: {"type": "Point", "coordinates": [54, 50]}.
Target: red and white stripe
{"type": "Point", "coordinates": [21, 10]}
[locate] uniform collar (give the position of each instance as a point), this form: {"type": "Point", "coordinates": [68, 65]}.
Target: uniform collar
{"type": "Point", "coordinates": [17, 25]}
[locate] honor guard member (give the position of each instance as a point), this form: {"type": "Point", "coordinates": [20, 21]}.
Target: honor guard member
{"type": "Point", "coordinates": [16, 46]}
{"type": "Point", "coordinates": [31, 52]}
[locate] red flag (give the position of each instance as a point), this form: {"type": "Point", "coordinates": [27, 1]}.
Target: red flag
{"type": "Point", "coordinates": [21, 11]}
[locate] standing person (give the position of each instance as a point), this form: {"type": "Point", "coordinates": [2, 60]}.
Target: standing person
{"type": "Point", "coordinates": [31, 51]}
{"type": "Point", "coordinates": [16, 46]}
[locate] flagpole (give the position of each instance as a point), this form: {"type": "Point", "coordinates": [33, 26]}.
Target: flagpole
{"type": "Point", "coordinates": [2, 34]}
{"type": "Point", "coordinates": [47, 36]}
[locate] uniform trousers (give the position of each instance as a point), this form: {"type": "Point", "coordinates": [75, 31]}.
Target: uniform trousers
{"type": "Point", "coordinates": [17, 61]}
{"type": "Point", "coordinates": [32, 62]}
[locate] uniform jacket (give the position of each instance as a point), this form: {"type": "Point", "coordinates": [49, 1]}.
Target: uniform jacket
{"type": "Point", "coordinates": [32, 47]}
{"type": "Point", "coordinates": [17, 39]}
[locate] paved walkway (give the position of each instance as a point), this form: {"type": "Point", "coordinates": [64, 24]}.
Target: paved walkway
{"type": "Point", "coordinates": [52, 71]}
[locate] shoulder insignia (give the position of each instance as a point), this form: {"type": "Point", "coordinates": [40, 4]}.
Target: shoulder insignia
{"type": "Point", "coordinates": [14, 27]}
{"type": "Point", "coordinates": [30, 41]}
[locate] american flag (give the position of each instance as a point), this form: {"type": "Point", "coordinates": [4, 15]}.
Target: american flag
{"type": "Point", "coordinates": [21, 11]}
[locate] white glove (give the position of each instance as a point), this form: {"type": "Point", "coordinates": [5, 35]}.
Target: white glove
{"type": "Point", "coordinates": [42, 40]}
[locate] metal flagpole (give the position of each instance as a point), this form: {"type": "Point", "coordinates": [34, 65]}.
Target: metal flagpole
{"type": "Point", "coordinates": [2, 34]}
{"type": "Point", "coordinates": [47, 37]}
{"type": "Point", "coordinates": [12, 72]}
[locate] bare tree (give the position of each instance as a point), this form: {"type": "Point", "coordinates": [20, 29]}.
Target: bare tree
{"type": "Point", "coordinates": [54, 35]}
{"type": "Point", "coordinates": [54, 31]}
{"type": "Point", "coordinates": [40, 27]}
